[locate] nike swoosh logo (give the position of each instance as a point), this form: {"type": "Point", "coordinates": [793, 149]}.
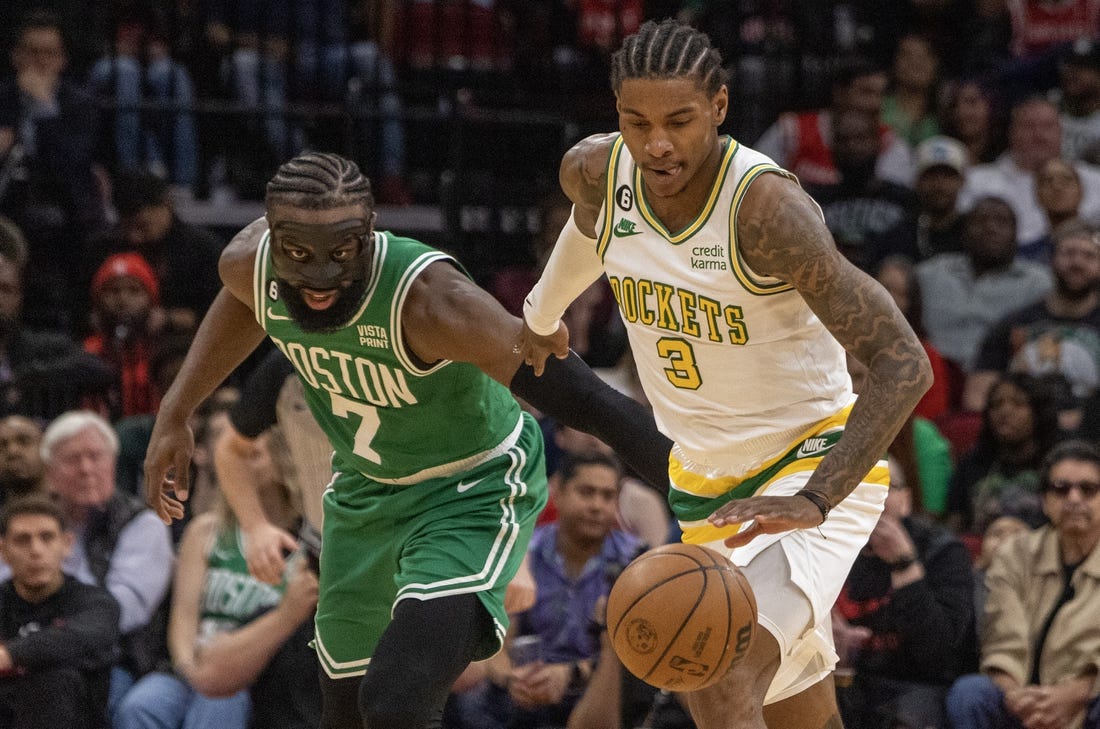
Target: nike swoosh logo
{"type": "Point", "coordinates": [625, 228]}
{"type": "Point", "coordinates": [276, 317]}
{"type": "Point", "coordinates": [464, 486]}
{"type": "Point", "coordinates": [803, 452]}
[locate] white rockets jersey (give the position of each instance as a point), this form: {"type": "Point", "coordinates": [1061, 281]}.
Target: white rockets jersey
{"type": "Point", "coordinates": [735, 364]}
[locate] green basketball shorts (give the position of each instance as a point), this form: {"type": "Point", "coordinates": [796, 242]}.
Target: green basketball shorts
{"type": "Point", "coordinates": [382, 543]}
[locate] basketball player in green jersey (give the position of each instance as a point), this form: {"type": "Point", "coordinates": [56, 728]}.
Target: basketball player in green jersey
{"type": "Point", "coordinates": [438, 474]}
{"type": "Point", "coordinates": [739, 310]}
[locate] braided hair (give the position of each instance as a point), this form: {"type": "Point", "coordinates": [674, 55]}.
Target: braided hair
{"type": "Point", "coordinates": [319, 181]}
{"type": "Point", "coordinates": [668, 49]}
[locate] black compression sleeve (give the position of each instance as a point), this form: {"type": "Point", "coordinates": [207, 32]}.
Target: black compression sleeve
{"type": "Point", "coordinates": [574, 395]}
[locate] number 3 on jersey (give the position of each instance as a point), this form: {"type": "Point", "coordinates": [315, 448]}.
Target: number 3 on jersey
{"type": "Point", "coordinates": [368, 426]}
{"type": "Point", "coordinates": [682, 371]}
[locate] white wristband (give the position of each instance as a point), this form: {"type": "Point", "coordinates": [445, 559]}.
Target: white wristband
{"type": "Point", "coordinates": [542, 327]}
{"type": "Point", "coordinates": [573, 266]}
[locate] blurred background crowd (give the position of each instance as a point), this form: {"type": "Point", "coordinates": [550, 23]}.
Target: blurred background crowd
{"type": "Point", "coordinates": [954, 148]}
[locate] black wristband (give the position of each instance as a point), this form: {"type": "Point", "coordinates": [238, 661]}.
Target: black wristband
{"type": "Point", "coordinates": [819, 500]}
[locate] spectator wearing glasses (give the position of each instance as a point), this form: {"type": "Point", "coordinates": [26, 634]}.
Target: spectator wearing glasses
{"type": "Point", "coordinates": [1040, 642]}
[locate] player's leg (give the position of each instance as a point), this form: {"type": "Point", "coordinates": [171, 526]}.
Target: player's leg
{"type": "Point", "coordinates": [419, 657]}
{"type": "Point", "coordinates": [784, 617]}
{"type": "Point", "coordinates": [816, 707]}
{"type": "Point", "coordinates": [736, 700]}
{"type": "Point", "coordinates": [441, 554]}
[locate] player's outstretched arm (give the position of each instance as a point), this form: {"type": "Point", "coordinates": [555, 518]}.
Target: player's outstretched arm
{"type": "Point", "coordinates": [574, 263]}
{"type": "Point", "coordinates": [446, 316]}
{"type": "Point", "coordinates": [782, 234]}
{"type": "Point", "coordinates": [227, 335]}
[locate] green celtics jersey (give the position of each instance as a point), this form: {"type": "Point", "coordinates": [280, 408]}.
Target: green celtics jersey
{"type": "Point", "coordinates": [387, 416]}
{"type": "Point", "coordinates": [230, 595]}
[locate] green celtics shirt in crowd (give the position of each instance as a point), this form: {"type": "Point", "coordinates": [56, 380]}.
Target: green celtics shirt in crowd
{"type": "Point", "coordinates": [231, 596]}
{"type": "Point", "coordinates": [387, 417]}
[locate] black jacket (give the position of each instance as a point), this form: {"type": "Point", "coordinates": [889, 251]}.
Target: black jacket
{"type": "Point", "coordinates": [924, 631]}
{"type": "Point", "coordinates": [76, 626]}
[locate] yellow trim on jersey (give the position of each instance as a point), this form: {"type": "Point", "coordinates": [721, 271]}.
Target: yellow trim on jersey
{"type": "Point", "coordinates": [752, 284]}
{"type": "Point", "coordinates": [609, 197]}
{"type": "Point", "coordinates": [708, 208]}
{"type": "Point", "coordinates": [699, 485]}
{"type": "Point", "coordinates": [703, 532]}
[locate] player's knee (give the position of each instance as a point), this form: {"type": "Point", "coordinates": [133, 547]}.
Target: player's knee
{"type": "Point", "coordinates": [751, 678]}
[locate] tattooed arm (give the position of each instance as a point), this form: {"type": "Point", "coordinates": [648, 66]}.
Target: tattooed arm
{"type": "Point", "coordinates": [781, 234]}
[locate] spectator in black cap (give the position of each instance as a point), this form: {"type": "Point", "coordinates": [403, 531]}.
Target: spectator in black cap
{"type": "Point", "coordinates": [1079, 84]}
{"type": "Point", "coordinates": [940, 164]}
{"type": "Point", "coordinates": [184, 256]}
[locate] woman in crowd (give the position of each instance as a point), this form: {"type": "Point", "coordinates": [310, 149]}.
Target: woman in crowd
{"type": "Point", "coordinates": [1019, 426]}
{"type": "Point", "coordinates": [225, 626]}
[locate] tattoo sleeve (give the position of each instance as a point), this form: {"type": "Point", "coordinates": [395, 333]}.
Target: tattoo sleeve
{"type": "Point", "coordinates": [781, 234]}
{"type": "Point", "coordinates": [583, 176]}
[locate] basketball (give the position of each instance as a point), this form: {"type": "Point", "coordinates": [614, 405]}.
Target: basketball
{"type": "Point", "coordinates": [680, 616]}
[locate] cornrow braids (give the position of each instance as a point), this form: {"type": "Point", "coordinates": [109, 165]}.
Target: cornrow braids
{"type": "Point", "coordinates": [319, 181]}
{"type": "Point", "coordinates": [668, 49]}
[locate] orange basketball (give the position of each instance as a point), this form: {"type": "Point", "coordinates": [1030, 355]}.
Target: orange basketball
{"type": "Point", "coordinates": [680, 616]}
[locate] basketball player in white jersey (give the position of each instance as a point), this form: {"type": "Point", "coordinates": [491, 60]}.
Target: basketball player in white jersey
{"type": "Point", "coordinates": [739, 310]}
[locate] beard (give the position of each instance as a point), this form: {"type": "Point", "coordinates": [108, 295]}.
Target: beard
{"type": "Point", "coordinates": [328, 320]}
{"type": "Point", "coordinates": [1073, 292]}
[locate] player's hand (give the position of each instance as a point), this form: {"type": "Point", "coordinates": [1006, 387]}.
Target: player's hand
{"type": "Point", "coordinates": [265, 547]}
{"type": "Point", "coordinates": [535, 348]}
{"type": "Point", "coordinates": [769, 515]}
{"type": "Point", "coordinates": [168, 467]}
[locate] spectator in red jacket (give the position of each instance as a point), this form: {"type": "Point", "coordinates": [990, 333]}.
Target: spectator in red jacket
{"type": "Point", "coordinates": [126, 322]}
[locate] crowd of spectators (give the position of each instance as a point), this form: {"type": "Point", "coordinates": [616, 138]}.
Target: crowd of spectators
{"type": "Point", "coordinates": [953, 146]}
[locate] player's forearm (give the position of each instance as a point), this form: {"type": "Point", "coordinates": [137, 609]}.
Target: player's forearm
{"type": "Point", "coordinates": [574, 265]}
{"type": "Point", "coordinates": [228, 334]}
{"type": "Point", "coordinates": [895, 383]}
{"type": "Point", "coordinates": [574, 395]}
